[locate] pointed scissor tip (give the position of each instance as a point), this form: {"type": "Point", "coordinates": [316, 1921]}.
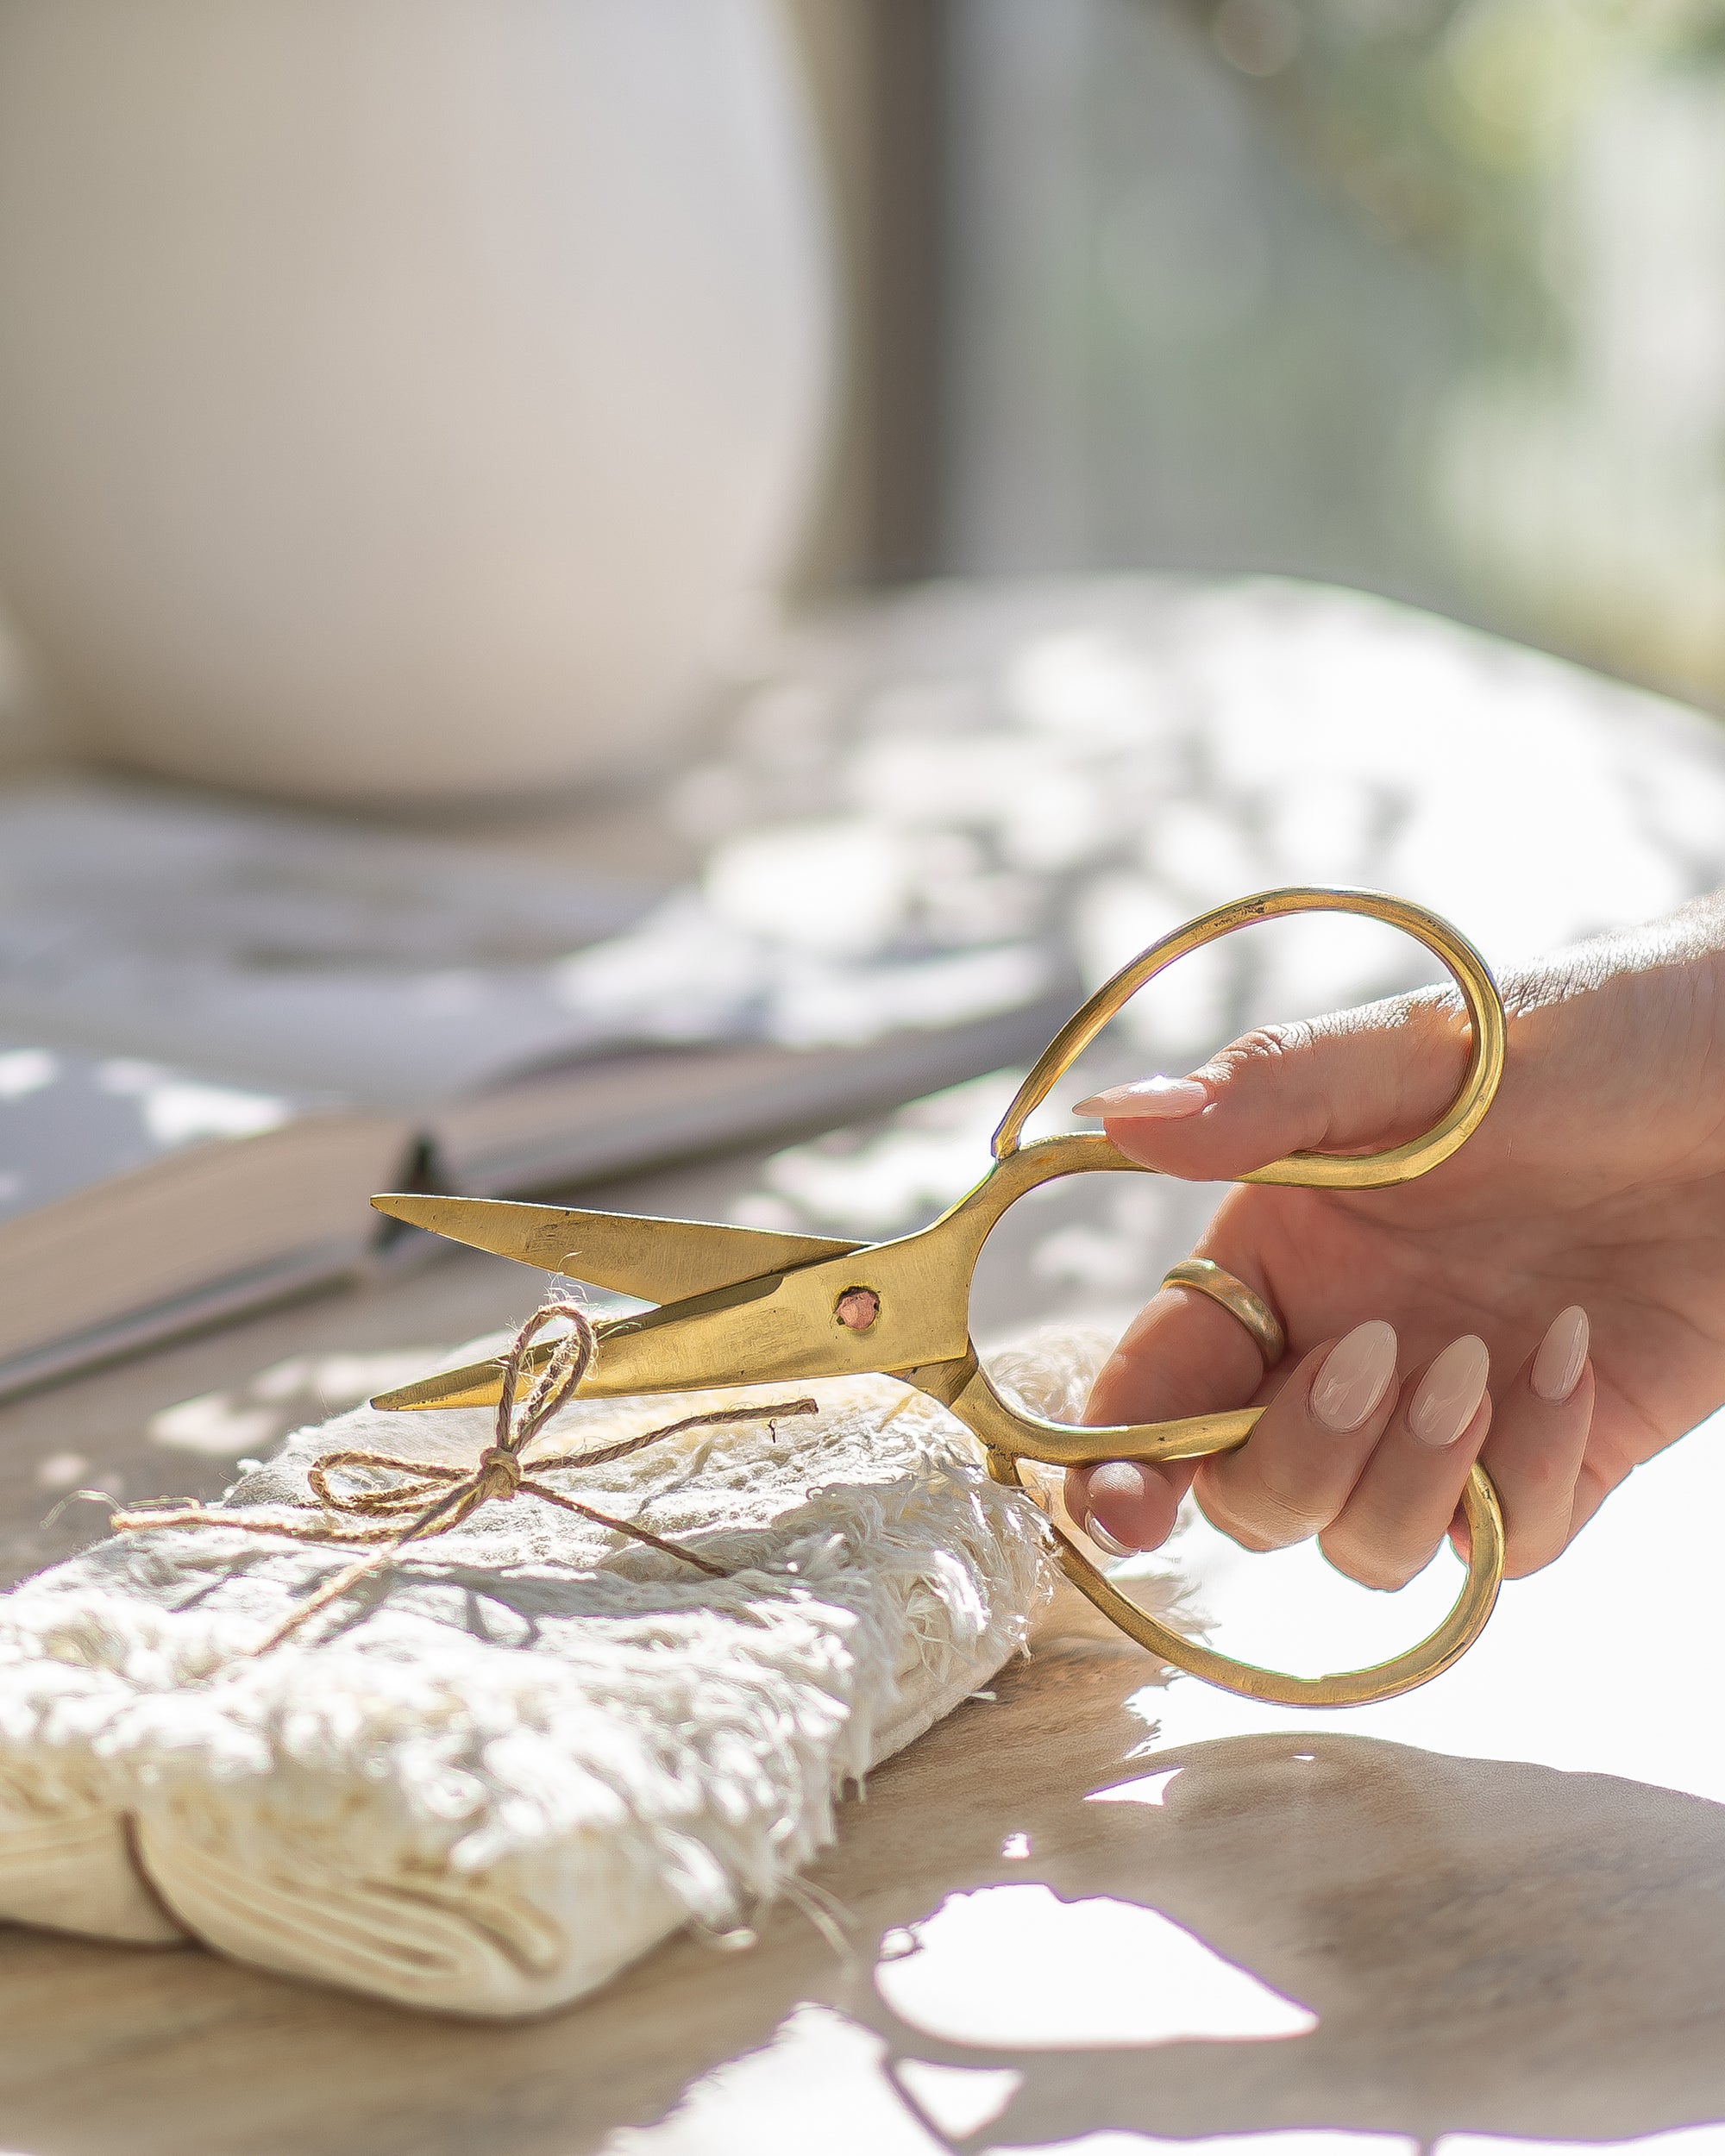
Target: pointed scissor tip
{"type": "Point", "coordinates": [403, 1205]}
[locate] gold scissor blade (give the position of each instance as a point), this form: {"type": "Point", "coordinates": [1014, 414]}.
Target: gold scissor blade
{"type": "Point", "coordinates": [658, 1261]}
{"type": "Point", "coordinates": [776, 1327]}
{"type": "Point", "coordinates": [474, 1385]}
{"type": "Point", "coordinates": [633, 1357]}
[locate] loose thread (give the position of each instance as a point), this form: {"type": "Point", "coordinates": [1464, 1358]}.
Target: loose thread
{"type": "Point", "coordinates": [438, 1497]}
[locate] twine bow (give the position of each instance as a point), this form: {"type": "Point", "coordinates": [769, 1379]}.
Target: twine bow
{"type": "Point", "coordinates": [435, 1496]}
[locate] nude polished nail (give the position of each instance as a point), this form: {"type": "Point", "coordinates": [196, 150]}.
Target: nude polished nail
{"type": "Point", "coordinates": [1103, 1540]}
{"type": "Point", "coordinates": [1450, 1393]}
{"type": "Point", "coordinates": [1164, 1098]}
{"type": "Point", "coordinates": [1356, 1374]}
{"type": "Point", "coordinates": [1558, 1365]}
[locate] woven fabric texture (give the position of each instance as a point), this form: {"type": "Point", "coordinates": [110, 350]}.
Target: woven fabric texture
{"type": "Point", "coordinates": [512, 1761]}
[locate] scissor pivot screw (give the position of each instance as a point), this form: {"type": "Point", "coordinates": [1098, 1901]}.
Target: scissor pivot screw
{"type": "Point", "coordinates": [857, 1307]}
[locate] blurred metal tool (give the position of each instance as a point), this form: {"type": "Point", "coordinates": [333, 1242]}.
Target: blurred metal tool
{"type": "Point", "coordinates": [743, 1307]}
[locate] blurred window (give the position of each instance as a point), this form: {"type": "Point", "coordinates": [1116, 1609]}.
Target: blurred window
{"type": "Point", "coordinates": [1427, 296]}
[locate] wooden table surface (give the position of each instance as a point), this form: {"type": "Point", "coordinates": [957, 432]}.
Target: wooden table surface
{"type": "Point", "coordinates": [1089, 1913]}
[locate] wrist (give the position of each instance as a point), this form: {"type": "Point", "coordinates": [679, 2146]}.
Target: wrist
{"type": "Point", "coordinates": [1624, 1037]}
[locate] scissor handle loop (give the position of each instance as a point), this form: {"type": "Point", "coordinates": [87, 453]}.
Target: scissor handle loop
{"type": "Point", "coordinates": [1311, 1171]}
{"type": "Point", "coordinates": [1416, 1665]}
{"type": "Point", "coordinates": [1010, 1434]}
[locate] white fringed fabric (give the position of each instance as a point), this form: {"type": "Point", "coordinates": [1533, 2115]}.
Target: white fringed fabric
{"type": "Point", "coordinates": [511, 1762]}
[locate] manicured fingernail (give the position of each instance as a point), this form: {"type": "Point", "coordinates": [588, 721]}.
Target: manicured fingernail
{"type": "Point", "coordinates": [1103, 1540]}
{"type": "Point", "coordinates": [1557, 1367]}
{"type": "Point", "coordinates": [1163, 1097]}
{"type": "Point", "coordinates": [1356, 1374]}
{"type": "Point", "coordinates": [1450, 1393]}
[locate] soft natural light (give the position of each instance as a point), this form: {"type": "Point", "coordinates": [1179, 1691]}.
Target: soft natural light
{"type": "Point", "coordinates": [1017, 1966]}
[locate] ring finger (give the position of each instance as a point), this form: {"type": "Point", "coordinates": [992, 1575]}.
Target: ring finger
{"type": "Point", "coordinates": [1400, 1508]}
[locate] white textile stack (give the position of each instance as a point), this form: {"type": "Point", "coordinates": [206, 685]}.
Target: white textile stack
{"type": "Point", "coordinates": [512, 1761]}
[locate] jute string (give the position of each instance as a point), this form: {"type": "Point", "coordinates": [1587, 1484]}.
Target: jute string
{"type": "Point", "coordinates": [435, 1496]}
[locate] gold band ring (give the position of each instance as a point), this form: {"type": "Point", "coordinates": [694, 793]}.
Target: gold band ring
{"type": "Point", "coordinates": [1237, 1298]}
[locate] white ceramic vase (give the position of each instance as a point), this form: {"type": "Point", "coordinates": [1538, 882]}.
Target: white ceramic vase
{"type": "Point", "coordinates": [399, 398]}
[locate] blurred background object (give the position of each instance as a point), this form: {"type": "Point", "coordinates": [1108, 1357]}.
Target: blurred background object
{"type": "Point", "coordinates": [405, 398]}
{"type": "Point", "coordinates": [1427, 296]}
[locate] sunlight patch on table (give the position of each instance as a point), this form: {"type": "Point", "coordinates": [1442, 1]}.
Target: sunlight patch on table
{"type": "Point", "coordinates": [1682, 2141]}
{"type": "Point", "coordinates": [1316, 2141]}
{"type": "Point", "coordinates": [224, 1425]}
{"type": "Point", "coordinates": [959, 2100]}
{"type": "Point", "coordinates": [1016, 1965]}
{"type": "Point", "coordinates": [819, 2083]}
{"type": "Point", "coordinates": [1149, 1789]}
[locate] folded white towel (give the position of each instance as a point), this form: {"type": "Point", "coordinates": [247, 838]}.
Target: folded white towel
{"type": "Point", "coordinates": [506, 1765]}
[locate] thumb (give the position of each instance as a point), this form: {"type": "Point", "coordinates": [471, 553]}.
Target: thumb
{"type": "Point", "coordinates": [1358, 1081]}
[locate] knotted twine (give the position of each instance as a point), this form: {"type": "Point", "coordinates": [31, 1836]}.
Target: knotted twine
{"type": "Point", "coordinates": [436, 1496]}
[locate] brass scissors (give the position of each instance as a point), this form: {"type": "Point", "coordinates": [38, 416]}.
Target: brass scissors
{"type": "Point", "coordinates": [747, 1305]}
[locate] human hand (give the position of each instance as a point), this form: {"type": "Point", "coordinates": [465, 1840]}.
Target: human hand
{"type": "Point", "coordinates": [1550, 1300]}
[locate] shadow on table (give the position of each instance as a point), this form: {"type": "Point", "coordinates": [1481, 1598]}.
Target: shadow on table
{"type": "Point", "coordinates": [1054, 1932]}
{"type": "Point", "coordinates": [1370, 1938]}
